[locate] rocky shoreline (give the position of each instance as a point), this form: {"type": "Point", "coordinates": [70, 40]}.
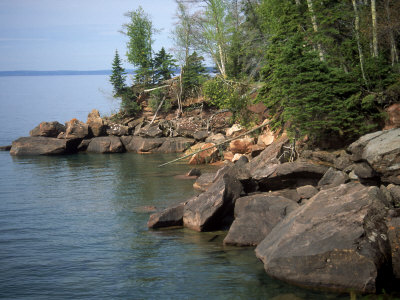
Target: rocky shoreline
{"type": "Point", "coordinates": [318, 219]}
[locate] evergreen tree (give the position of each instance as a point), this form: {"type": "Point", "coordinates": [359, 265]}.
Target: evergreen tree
{"type": "Point", "coordinates": [163, 66]}
{"type": "Point", "coordinates": [117, 77]}
{"type": "Point", "coordinates": [193, 75]}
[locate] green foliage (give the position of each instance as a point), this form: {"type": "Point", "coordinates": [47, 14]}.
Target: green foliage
{"type": "Point", "coordinates": [156, 97]}
{"type": "Point", "coordinates": [225, 94]}
{"type": "Point", "coordinates": [163, 66]}
{"type": "Point", "coordinates": [129, 106]}
{"type": "Point", "coordinates": [193, 75]}
{"type": "Point", "coordinates": [139, 47]}
{"type": "Point", "coordinates": [117, 77]}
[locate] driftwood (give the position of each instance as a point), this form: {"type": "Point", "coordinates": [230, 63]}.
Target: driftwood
{"type": "Point", "coordinates": [156, 88]}
{"type": "Point", "coordinates": [217, 145]}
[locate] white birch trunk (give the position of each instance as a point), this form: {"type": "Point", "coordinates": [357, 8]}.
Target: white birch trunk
{"type": "Point", "coordinates": [315, 27]}
{"type": "Point", "coordinates": [357, 31]}
{"type": "Point", "coordinates": [374, 29]}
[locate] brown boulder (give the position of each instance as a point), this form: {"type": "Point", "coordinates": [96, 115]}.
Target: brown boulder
{"type": "Point", "coordinates": [48, 129]}
{"type": "Point", "coordinates": [206, 156]}
{"type": "Point", "coordinates": [241, 146]}
{"type": "Point", "coordinates": [255, 216]}
{"type": "Point", "coordinates": [337, 241]}
{"type": "Point", "coordinates": [75, 129]}
{"type": "Point", "coordinates": [393, 225]}
{"type": "Point", "coordinates": [393, 112]}
{"type": "Point", "coordinates": [96, 123]}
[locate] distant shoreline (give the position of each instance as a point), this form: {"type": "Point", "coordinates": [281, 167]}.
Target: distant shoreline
{"type": "Point", "coordinates": [54, 73]}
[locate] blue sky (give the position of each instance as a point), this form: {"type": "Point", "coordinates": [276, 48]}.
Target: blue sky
{"type": "Point", "coordinates": [73, 34]}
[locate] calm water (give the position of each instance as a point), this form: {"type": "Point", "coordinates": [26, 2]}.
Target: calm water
{"type": "Point", "coordinates": [74, 227]}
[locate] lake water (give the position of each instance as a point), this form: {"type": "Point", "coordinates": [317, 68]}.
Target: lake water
{"type": "Point", "coordinates": [74, 227]}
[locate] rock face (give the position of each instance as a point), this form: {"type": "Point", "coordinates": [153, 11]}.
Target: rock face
{"type": "Point", "coordinates": [48, 129]}
{"type": "Point", "coordinates": [43, 146]}
{"type": "Point", "coordinates": [255, 216]}
{"type": "Point", "coordinates": [337, 240]}
{"type": "Point", "coordinates": [172, 216]}
{"type": "Point", "coordinates": [382, 151]}
{"type": "Point", "coordinates": [96, 123]}
{"type": "Point", "coordinates": [106, 144]}
{"type": "Point", "coordinates": [214, 208]}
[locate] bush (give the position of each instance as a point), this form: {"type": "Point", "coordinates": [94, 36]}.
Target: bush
{"type": "Point", "coordinates": [129, 106]}
{"type": "Point", "coordinates": [155, 99]}
{"type": "Point", "coordinates": [226, 94]}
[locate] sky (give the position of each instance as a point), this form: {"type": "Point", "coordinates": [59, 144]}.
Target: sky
{"type": "Point", "coordinates": [73, 34]}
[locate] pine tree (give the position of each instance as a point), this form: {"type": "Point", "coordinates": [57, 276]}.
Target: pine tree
{"type": "Point", "coordinates": [163, 66]}
{"type": "Point", "coordinates": [117, 77]}
{"type": "Point", "coordinates": [193, 75]}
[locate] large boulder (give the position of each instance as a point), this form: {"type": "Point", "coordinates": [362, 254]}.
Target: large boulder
{"type": "Point", "coordinates": [255, 216]}
{"type": "Point", "coordinates": [288, 175]}
{"type": "Point", "coordinates": [175, 145]}
{"type": "Point", "coordinates": [43, 146]}
{"type": "Point", "coordinates": [337, 240]}
{"type": "Point", "coordinates": [382, 151]}
{"type": "Point", "coordinates": [333, 178]}
{"type": "Point", "coordinates": [172, 216]}
{"type": "Point", "coordinates": [48, 129]}
{"type": "Point", "coordinates": [151, 131]}
{"type": "Point", "coordinates": [75, 129]}
{"type": "Point", "coordinates": [204, 181]}
{"type": "Point", "coordinates": [214, 208]}
{"type": "Point", "coordinates": [141, 145]}
{"type": "Point", "coordinates": [96, 123]}
{"type": "Point", "coordinates": [106, 144]}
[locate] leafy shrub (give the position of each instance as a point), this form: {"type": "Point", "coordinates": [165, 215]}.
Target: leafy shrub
{"type": "Point", "coordinates": [156, 97]}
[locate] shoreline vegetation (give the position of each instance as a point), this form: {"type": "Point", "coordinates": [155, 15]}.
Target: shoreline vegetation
{"type": "Point", "coordinates": [316, 188]}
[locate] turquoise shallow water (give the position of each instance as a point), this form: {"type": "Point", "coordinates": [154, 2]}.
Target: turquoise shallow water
{"type": "Point", "coordinates": [74, 227]}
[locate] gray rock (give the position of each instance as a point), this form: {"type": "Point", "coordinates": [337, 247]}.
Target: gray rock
{"type": "Point", "coordinates": [291, 194]}
{"type": "Point", "coordinates": [204, 181]}
{"type": "Point", "coordinates": [255, 216]}
{"type": "Point", "coordinates": [200, 135]}
{"type": "Point", "coordinates": [393, 225]}
{"type": "Point", "coordinates": [139, 144]}
{"type": "Point", "coordinates": [333, 178]}
{"type": "Point", "coordinates": [214, 208]}
{"type": "Point", "coordinates": [175, 145]}
{"type": "Point", "coordinates": [382, 151]}
{"type": "Point", "coordinates": [151, 131]}
{"type": "Point", "coordinates": [48, 129]}
{"type": "Point", "coordinates": [172, 216]}
{"type": "Point", "coordinates": [364, 170]}
{"type": "Point", "coordinates": [307, 191]}
{"type": "Point", "coordinates": [288, 175]}
{"type": "Point", "coordinates": [216, 138]}
{"type": "Point", "coordinates": [337, 241]}
{"type": "Point", "coordinates": [43, 146]}
{"type": "Point", "coordinates": [106, 144]}
{"type": "Point", "coordinates": [395, 193]}
{"type": "Point", "coordinates": [343, 161]}
{"type": "Point", "coordinates": [117, 129]}
{"type": "Point", "coordinates": [84, 144]}
{"type": "Point", "coordinates": [194, 172]}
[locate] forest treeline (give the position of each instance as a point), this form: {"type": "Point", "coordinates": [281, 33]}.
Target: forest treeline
{"type": "Point", "coordinates": [327, 68]}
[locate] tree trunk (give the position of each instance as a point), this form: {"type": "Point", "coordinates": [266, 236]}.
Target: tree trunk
{"type": "Point", "coordinates": [315, 27]}
{"type": "Point", "coordinates": [393, 49]}
{"type": "Point", "coordinates": [374, 29]}
{"type": "Point", "coordinates": [357, 32]}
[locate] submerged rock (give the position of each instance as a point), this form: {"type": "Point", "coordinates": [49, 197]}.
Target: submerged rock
{"type": "Point", "coordinates": [337, 240]}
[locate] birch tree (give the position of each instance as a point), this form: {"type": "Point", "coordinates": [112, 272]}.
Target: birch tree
{"type": "Point", "coordinates": [374, 29]}
{"type": "Point", "coordinates": [315, 27]}
{"type": "Point", "coordinates": [357, 34]}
